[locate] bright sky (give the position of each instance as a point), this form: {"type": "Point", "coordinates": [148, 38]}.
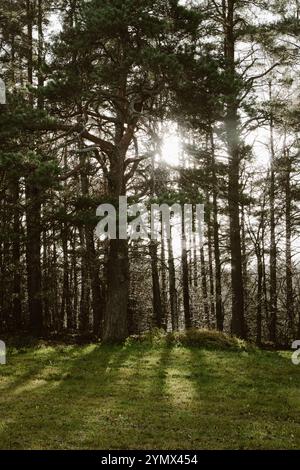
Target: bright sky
{"type": "Point", "coordinates": [171, 149]}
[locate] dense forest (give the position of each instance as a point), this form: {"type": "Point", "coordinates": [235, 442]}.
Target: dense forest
{"type": "Point", "coordinates": [162, 101]}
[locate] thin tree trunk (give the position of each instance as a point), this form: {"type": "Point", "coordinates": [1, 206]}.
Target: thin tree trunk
{"type": "Point", "coordinates": [40, 52]}
{"type": "Point", "coordinates": [185, 280]}
{"type": "Point", "coordinates": [84, 320]}
{"type": "Point", "coordinates": [16, 254]}
{"type": "Point", "coordinates": [204, 287]}
{"type": "Point", "coordinates": [259, 296]}
{"type": "Point", "coordinates": [273, 247]}
{"type": "Point", "coordinates": [66, 307]}
{"type": "Point", "coordinates": [218, 273]}
{"type": "Point", "coordinates": [33, 258]}
{"type": "Point", "coordinates": [210, 262]}
{"type": "Point", "coordinates": [244, 259]}
{"type": "Point", "coordinates": [84, 286]}
{"type": "Point", "coordinates": [288, 250]}
{"type": "Point", "coordinates": [164, 300]}
{"type": "Point", "coordinates": [156, 293]}
{"type": "Point", "coordinates": [73, 320]}
{"type": "Point", "coordinates": [94, 273]}
{"type": "Point", "coordinates": [33, 213]}
{"type": "Point", "coordinates": [172, 286]}
{"type": "Point", "coordinates": [49, 319]}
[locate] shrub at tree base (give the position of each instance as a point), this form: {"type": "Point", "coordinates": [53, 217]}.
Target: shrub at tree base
{"type": "Point", "coordinates": [201, 338]}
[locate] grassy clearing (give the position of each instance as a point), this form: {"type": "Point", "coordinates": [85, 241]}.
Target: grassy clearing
{"type": "Point", "coordinates": [144, 396]}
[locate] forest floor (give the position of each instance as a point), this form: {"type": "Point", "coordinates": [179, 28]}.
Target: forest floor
{"type": "Point", "coordinates": [143, 397]}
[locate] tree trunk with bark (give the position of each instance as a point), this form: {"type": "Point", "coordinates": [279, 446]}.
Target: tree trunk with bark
{"type": "Point", "coordinates": [33, 257]}
{"type": "Point", "coordinates": [216, 237]}
{"type": "Point", "coordinates": [185, 280]}
{"type": "Point", "coordinates": [273, 247]}
{"type": "Point", "coordinates": [290, 309]}
{"type": "Point", "coordinates": [172, 286]}
{"type": "Point", "coordinates": [238, 326]}
{"type": "Point", "coordinates": [156, 292]}
{"type": "Point", "coordinates": [116, 313]}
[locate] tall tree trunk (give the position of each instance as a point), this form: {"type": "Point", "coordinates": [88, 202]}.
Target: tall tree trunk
{"type": "Point", "coordinates": [244, 259]}
{"type": "Point", "coordinates": [33, 213]}
{"type": "Point", "coordinates": [195, 262]}
{"type": "Point", "coordinates": [96, 288]}
{"type": "Point", "coordinates": [29, 21]}
{"type": "Point", "coordinates": [49, 319]}
{"type": "Point", "coordinates": [156, 293]}
{"type": "Point", "coordinates": [218, 273]}
{"type": "Point", "coordinates": [66, 307]}
{"type": "Point", "coordinates": [259, 297]}
{"type": "Point", "coordinates": [265, 287]}
{"type": "Point", "coordinates": [5, 260]}
{"type": "Point", "coordinates": [273, 247]}
{"type": "Point", "coordinates": [40, 52]}
{"type": "Point", "coordinates": [73, 321]}
{"type": "Point", "coordinates": [185, 279]}
{"type": "Point", "coordinates": [116, 325]}
{"type": "Point", "coordinates": [172, 286]}
{"type": "Point", "coordinates": [84, 321]}
{"type": "Point", "coordinates": [204, 287]}
{"type": "Point", "coordinates": [210, 261]}
{"type": "Point", "coordinates": [116, 313]}
{"type": "Point", "coordinates": [16, 254]}
{"type": "Point", "coordinates": [290, 310]}
{"type": "Point", "coordinates": [238, 326]}
{"type": "Point", "coordinates": [33, 256]}
{"type": "Point", "coordinates": [164, 288]}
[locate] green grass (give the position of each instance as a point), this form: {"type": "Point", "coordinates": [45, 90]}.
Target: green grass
{"type": "Point", "coordinates": [142, 396]}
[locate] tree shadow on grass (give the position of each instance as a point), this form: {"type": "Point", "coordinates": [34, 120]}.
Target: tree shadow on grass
{"type": "Point", "coordinates": [157, 408]}
{"type": "Point", "coordinates": [25, 366]}
{"type": "Point", "coordinates": [245, 400]}
{"type": "Point", "coordinates": [135, 418]}
{"type": "Point", "coordinates": [47, 409]}
{"type": "Point", "coordinates": [106, 397]}
{"type": "Point", "coordinates": [100, 397]}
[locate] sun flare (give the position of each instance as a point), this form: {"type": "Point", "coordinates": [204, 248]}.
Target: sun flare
{"type": "Point", "coordinates": [171, 149]}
